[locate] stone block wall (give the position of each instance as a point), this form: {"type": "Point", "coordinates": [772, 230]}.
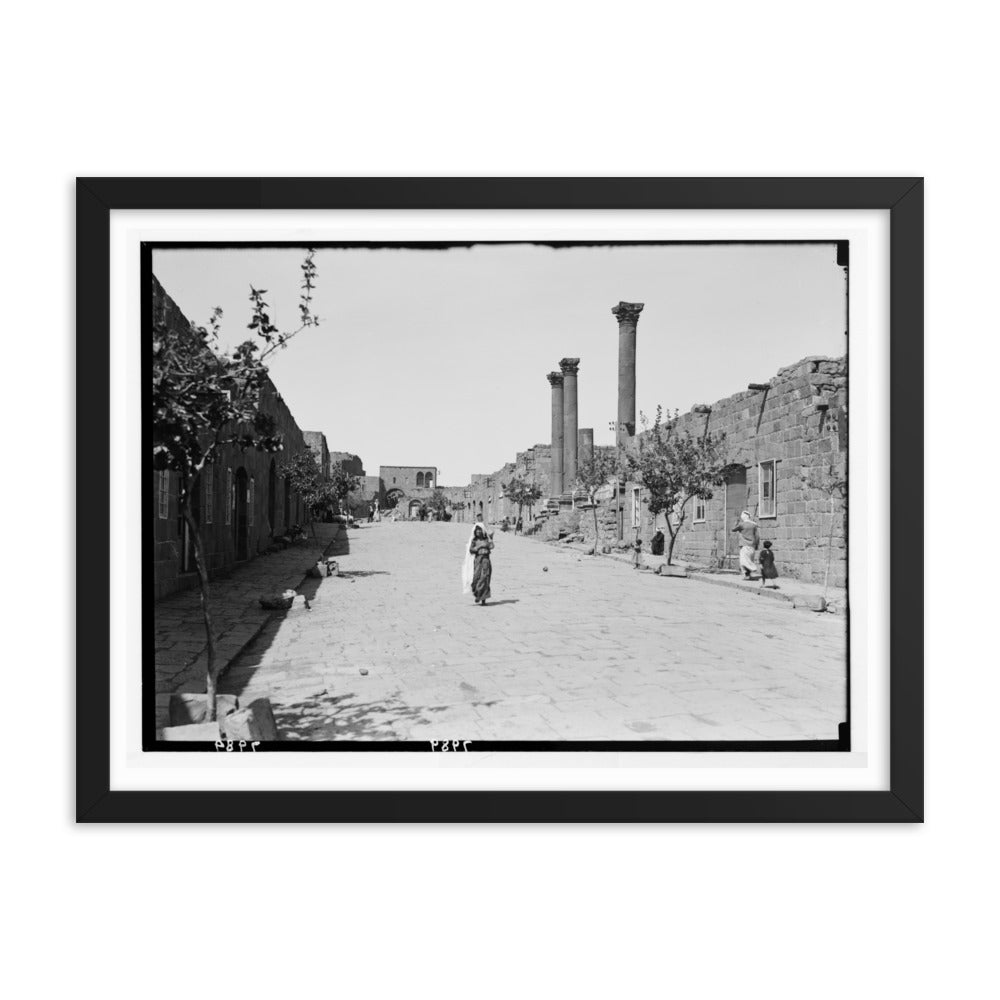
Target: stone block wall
{"type": "Point", "coordinates": [800, 424]}
{"type": "Point", "coordinates": [270, 505]}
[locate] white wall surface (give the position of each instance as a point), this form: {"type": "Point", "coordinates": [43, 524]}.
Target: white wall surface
{"type": "Point", "coordinates": [514, 88]}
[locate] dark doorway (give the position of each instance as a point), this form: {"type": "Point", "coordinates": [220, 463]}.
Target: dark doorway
{"type": "Point", "coordinates": [188, 564]}
{"type": "Point", "coordinates": [734, 503]}
{"type": "Point", "coordinates": [272, 497]}
{"type": "Point", "coordinates": [288, 504]}
{"type": "Point", "coordinates": [240, 520]}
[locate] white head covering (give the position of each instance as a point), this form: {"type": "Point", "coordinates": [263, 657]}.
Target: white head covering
{"type": "Point", "coordinates": [469, 563]}
{"type": "Point", "coordinates": [745, 516]}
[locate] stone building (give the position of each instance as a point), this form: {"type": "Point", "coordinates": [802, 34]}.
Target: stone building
{"type": "Point", "coordinates": [242, 502]}
{"type": "Point", "coordinates": [316, 440]}
{"type": "Point", "coordinates": [786, 461]}
{"type": "Point", "coordinates": [406, 487]}
{"type": "Point", "coordinates": [786, 454]}
{"type": "Point", "coordinates": [351, 464]}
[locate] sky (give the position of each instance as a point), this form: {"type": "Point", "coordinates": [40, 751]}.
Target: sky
{"type": "Point", "coordinates": [439, 357]}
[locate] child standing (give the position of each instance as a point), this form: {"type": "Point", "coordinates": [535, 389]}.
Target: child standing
{"type": "Point", "coordinates": [766, 560]}
{"type": "Point", "coordinates": [637, 552]}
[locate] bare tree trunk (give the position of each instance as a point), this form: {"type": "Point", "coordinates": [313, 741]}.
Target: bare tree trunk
{"type": "Point", "coordinates": [673, 540]}
{"type": "Point", "coordinates": [596, 537]}
{"type": "Point", "coordinates": [199, 560]}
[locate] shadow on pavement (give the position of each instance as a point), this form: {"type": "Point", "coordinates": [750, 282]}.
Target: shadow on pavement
{"type": "Point", "coordinates": [364, 572]}
{"type": "Point", "coordinates": [496, 604]}
{"type": "Point", "coordinates": [339, 717]}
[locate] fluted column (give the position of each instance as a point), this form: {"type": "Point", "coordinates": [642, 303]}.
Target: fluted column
{"type": "Point", "coordinates": [585, 445]}
{"type": "Point", "coordinates": [569, 367]}
{"type": "Point", "coordinates": [556, 381]}
{"type": "Point", "coordinates": [627, 314]}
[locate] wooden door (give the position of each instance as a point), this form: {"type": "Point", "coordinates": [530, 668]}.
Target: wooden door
{"type": "Point", "coordinates": [240, 526]}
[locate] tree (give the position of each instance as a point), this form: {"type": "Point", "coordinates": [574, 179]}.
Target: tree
{"type": "Point", "coordinates": [437, 504]}
{"type": "Point", "coordinates": [674, 467]}
{"type": "Point", "coordinates": [831, 481]}
{"type": "Point", "coordinates": [341, 485]}
{"type": "Point", "coordinates": [591, 477]}
{"type": "Point", "coordinates": [204, 400]}
{"type": "Point", "coordinates": [522, 493]}
{"type": "Point", "coordinates": [304, 475]}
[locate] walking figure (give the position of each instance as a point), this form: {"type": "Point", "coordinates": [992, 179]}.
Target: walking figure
{"type": "Point", "coordinates": [637, 551]}
{"type": "Point", "coordinates": [767, 568]}
{"type": "Point", "coordinates": [477, 569]}
{"type": "Point", "coordinates": [749, 543]}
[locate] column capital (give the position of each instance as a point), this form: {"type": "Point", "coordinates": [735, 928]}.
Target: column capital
{"type": "Point", "coordinates": [569, 366]}
{"type": "Point", "coordinates": [555, 378]}
{"type": "Point", "coordinates": [626, 312]}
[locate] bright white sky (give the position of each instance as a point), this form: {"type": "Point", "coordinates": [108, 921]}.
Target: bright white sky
{"type": "Point", "coordinates": [439, 357]}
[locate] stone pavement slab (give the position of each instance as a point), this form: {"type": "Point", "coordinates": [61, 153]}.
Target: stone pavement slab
{"type": "Point", "coordinates": [570, 647]}
{"type": "Point", "coordinates": [180, 644]}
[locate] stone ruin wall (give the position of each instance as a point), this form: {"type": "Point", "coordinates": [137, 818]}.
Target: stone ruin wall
{"type": "Point", "coordinates": [792, 430]}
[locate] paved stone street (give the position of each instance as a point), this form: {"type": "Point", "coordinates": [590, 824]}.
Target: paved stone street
{"type": "Point", "coordinates": [590, 649]}
{"type": "Point", "coordinates": [236, 613]}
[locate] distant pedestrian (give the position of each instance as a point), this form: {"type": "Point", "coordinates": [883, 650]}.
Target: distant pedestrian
{"type": "Point", "coordinates": [637, 552]}
{"type": "Point", "coordinates": [656, 543]}
{"type": "Point", "coordinates": [749, 543]}
{"type": "Point", "coordinates": [767, 567]}
{"type": "Point", "coordinates": [477, 569]}
{"type": "Point", "coordinates": [519, 527]}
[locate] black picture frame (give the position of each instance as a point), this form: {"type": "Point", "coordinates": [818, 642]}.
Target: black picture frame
{"type": "Point", "coordinates": [96, 198]}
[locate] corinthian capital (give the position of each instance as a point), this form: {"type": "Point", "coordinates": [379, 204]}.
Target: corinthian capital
{"type": "Point", "coordinates": [555, 378]}
{"type": "Point", "coordinates": [569, 366]}
{"type": "Point", "coordinates": [627, 311]}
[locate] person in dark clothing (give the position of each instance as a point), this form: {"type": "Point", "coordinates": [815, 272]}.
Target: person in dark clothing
{"type": "Point", "coordinates": [477, 569]}
{"type": "Point", "coordinates": [656, 543]}
{"type": "Point", "coordinates": [519, 527]}
{"type": "Point", "coordinates": [637, 552]}
{"type": "Point", "coordinates": [766, 561]}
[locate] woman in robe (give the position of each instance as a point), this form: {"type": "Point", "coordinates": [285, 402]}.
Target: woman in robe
{"type": "Point", "coordinates": [749, 543]}
{"type": "Point", "coordinates": [477, 570]}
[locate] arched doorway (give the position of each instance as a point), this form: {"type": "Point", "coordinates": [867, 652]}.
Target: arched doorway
{"type": "Point", "coordinates": [287, 511]}
{"type": "Point", "coordinates": [420, 480]}
{"type": "Point", "coordinates": [414, 508]}
{"type": "Point", "coordinates": [240, 539]}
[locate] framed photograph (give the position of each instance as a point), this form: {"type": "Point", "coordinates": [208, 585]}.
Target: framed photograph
{"type": "Point", "coordinates": [519, 500]}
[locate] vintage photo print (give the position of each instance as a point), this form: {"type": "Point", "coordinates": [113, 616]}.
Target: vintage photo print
{"type": "Point", "coordinates": [497, 496]}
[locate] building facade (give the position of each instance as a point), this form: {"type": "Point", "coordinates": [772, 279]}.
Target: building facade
{"type": "Point", "coordinates": [243, 500]}
{"type": "Point", "coordinates": [786, 465]}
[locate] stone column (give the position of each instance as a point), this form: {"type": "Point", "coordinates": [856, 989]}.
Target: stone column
{"type": "Point", "coordinates": [569, 366]}
{"type": "Point", "coordinates": [586, 445]}
{"type": "Point", "coordinates": [556, 381]}
{"type": "Point", "coordinates": [627, 314]}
